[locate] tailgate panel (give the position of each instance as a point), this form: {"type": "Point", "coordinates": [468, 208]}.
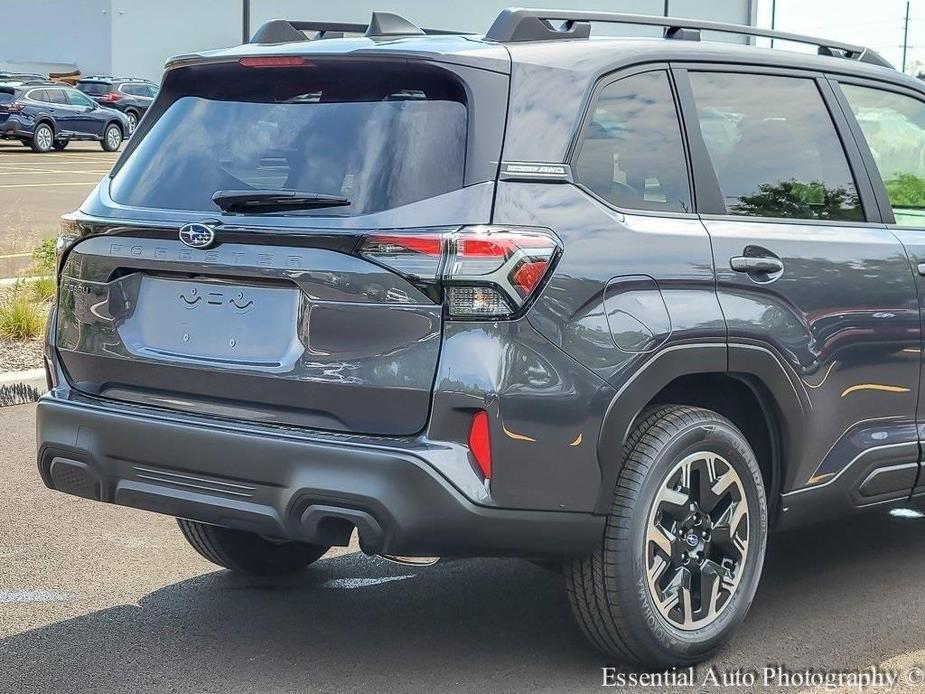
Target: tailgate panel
{"type": "Point", "coordinates": [302, 336]}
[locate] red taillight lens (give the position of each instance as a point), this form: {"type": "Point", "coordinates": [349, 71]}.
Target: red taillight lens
{"type": "Point", "coordinates": [480, 442]}
{"type": "Point", "coordinates": [14, 107]}
{"type": "Point", "coordinates": [416, 255]}
{"type": "Point", "coordinates": [110, 97]}
{"type": "Point", "coordinates": [488, 271]}
{"type": "Point", "coordinates": [273, 61]}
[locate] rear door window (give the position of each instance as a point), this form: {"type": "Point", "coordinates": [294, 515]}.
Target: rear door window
{"type": "Point", "coordinates": [894, 127]}
{"type": "Point", "coordinates": [380, 137]}
{"type": "Point", "coordinates": [55, 96]}
{"type": "Point", "coordinates": [630, 152]}
{"type": "Point", "coordinates": [38, 95]}
{"type": "Point", "coordinates": [774, 147]}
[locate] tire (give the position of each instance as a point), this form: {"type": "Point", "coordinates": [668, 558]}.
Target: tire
{"type": "Point", "coordinates": [61, 145]}
{"type": "Point", "coordinates": [43, 138]}
{"type": "Point", "coordinates": [247, 553]}
{"type": "Point", "coordinates": [611, 592]}
{"type": "Point", "coordinates": [112, 138]}
{"type": "Point", "coordinates": [132, 120]}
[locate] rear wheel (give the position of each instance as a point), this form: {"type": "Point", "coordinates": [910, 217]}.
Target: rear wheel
{"type": "Point", "coordinates": [43, 138]}
{"type": "Point", "coordinates": [132, 120]}
{"type": "Point", "coordinates": [683, 544]}
{"type": "Point", "coordinates": [112, 138]}
{"type": "Point", "coordinates": [247, 553]}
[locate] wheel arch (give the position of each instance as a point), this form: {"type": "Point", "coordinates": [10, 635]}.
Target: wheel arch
{"type": "Point", "coordinates": [758, 396]}
{"type": "Point", "coordinates": [47, 120]}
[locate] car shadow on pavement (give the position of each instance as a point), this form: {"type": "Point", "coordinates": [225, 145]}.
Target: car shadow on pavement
{"type": "Point", "coordinates": [841, 595]}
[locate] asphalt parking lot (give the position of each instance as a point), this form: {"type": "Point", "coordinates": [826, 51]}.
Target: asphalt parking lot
{"type": "Point", "coordinates": [97, 598]}
{"type": "Point", "coordinates": [36, 189]}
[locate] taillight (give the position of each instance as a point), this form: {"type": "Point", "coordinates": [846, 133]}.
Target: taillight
{"type": "Point", "coordinates": [110, 97]}
{"type": "Point", "coordinates": [485, 271]}
{"type": "Point", "coordinates": [480, 442]}
{"type": "Point", "coordinates": [13, 107]}
{"type": "Point", "coordinates": [67, 237]}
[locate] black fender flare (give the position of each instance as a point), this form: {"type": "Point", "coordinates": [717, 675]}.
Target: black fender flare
{"type": "Point", "coordinates": [782, 401]}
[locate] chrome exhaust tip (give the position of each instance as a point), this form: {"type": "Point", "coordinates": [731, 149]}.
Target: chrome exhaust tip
{"type": "Point", "coordinates": [410, 561]}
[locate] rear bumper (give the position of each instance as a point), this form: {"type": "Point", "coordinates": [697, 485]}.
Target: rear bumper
{"type": "Point", "coordinates": [285, 484]}
{"type": "Point", "coordinates": [14, 127]}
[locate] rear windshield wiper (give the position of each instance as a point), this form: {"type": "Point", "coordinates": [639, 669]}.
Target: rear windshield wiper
{"type": "Point", "coordinates": [274, 200]}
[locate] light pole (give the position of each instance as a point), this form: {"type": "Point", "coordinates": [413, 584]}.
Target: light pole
{"type": "Point", "coordinates": [906, 36]}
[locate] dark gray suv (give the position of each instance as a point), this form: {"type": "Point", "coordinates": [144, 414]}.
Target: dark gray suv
{"type": "Point", "coordinates": [617, 305]}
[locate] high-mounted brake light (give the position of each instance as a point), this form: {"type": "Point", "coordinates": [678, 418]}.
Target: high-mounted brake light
{"type": "Point", "coordinates": [480, 442]}
{"type": "Point", "coordinates": [487, 271]}
{"type": "Point", "coordinates": [273, 61]}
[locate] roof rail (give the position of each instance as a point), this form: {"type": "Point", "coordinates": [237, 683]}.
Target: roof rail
{"type": "Point", "coordinates": [520, 24]}
{"type": "Point", "coordinates": [381, 25]}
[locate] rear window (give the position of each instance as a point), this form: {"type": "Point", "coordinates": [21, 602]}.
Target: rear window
{"type": "Point", "coordinates": [93, 88]}
{"type": "Point", "coordinates": [381, 136]}
{"type": "Point", "coordinates": [5, 97]}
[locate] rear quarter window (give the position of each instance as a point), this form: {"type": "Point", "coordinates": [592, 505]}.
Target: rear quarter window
{"type": "Point", "coordinates": [631, 153]}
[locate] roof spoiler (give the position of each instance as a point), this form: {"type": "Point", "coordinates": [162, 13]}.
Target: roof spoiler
{"type": "Point", "coordinates": [515, 25]}
{"type": "Point", "coordinates": [381, 25]}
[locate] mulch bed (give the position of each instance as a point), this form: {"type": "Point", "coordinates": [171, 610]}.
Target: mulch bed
{"type": "Point", "coordinates": [19, 355]}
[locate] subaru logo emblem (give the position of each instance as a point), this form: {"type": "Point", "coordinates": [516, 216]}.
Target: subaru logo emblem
{"type": "Point", "coordinates": [692, 540]}
{"type": "Point", "coordinates": [197, 235]}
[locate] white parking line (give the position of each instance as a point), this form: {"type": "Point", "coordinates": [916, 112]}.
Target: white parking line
{"type": "Point", "coordinates": [351, 583]}
{"type": "Point", "coordinates": [25, 172]}
{"type": "Point", "coordinates": [19, 596]}
{"type": "Point", "coordinates": [47, 185]}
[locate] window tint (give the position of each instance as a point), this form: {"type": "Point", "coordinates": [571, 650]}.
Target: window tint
{"type": "Point", "coordinates": [37, 95]}
{"type": "Point", "coordinates": [383, 138]}
{"type": "Point", "coordinates": [55, 96]}
{"type": "Point", "coordinates": [630, 153]}
{"type": "Point", "coordinates": [75, 98]}
{"type": "Point", "coordinates": [93, 88]}
{"type": "Point", "coordinates": [894, 127]}
{"type": "Point", "coordinates": [774, 147]}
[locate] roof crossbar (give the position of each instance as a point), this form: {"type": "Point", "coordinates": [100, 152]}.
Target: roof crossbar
{"type": "Point", "coordinates": [381, 25]}
{"type": "Point", "coordinates": [514, 25]}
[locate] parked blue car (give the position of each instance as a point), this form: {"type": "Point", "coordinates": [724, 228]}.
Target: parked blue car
{"type": "Point", "coordinates": [49, 116]}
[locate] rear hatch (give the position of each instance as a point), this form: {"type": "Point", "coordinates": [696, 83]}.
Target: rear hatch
{"type": "Point", "coordinates": [7, 103]}
{"type": "Point", "coordinates": [94, 89]}
{"type": "Point", "coordinates": [296, 312]}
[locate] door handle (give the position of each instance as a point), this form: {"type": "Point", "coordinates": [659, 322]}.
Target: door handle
{"type": "Point", "coordinates": [763, 265]}
{"type": "Point", "coordinates": [921, 268]}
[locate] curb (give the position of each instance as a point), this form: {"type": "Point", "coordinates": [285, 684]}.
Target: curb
{"type": "Point", "coordinates": [30, 377]}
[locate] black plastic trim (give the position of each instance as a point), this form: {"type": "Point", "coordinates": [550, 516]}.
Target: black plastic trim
{"type": "Point", "coordinates": [300, 490]}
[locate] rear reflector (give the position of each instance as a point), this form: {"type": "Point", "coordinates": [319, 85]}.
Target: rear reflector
{"type": "Point", "coordinates": [273, 61]}
{"type": "Point", "coordinates": [480, 442]}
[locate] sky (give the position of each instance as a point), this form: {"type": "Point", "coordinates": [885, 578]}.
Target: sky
{"type": "Point", "coordinates": [877, 24]}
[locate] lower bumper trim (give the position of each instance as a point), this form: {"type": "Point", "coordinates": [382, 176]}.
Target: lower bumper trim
{"type": "Point", "coordinates": [308, 490]}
